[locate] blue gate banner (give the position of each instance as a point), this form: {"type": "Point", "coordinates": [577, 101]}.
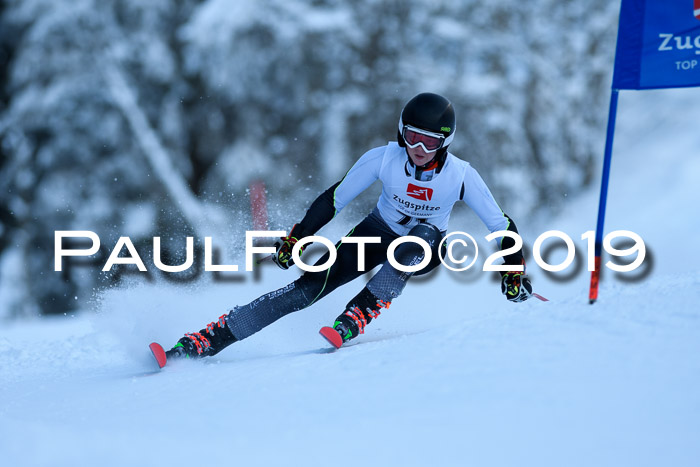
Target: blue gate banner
{"type": "Point", "coordinates": [658, 44]}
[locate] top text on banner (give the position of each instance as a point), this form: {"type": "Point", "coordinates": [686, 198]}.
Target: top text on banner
{"type": "Point", "coordinates": [658, 44]}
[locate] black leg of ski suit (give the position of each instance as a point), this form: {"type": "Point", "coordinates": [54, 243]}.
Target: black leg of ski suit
{"type": "Point", "coordinates": [386, 285]}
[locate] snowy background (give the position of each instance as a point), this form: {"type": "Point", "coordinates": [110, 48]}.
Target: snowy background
{"type": "Point", "coordinates": [152, 118]}
{"type": "Point", "coordinates": [452, 374]}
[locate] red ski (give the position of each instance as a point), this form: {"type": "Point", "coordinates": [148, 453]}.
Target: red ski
{"type": "Point", "coordinates": [158, 354]}
{"type": "Point", "coordinates": [332, 336]}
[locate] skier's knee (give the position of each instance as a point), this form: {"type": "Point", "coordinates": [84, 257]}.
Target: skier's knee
{"type": "Point", "coordinates": [427, 232]}
{"type": "Point", "coordinates": [433, 237]}
{"type": "Point", "coordinates": [409, 250]}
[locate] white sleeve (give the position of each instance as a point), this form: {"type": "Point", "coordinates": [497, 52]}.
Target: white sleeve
{"type": "Point", "coordinates": [359, 177]}
{"type": "Point", "coordinates": [479, 198]}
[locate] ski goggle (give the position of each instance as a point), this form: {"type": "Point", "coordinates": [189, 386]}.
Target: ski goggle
{"type": "Point", "coordinates": [415, 137]}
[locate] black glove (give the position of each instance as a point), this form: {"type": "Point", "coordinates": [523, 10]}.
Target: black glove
{"type": "Point", "coordinates": [516, 286]}
{"type": "Point", "coordinates": [283, 256]}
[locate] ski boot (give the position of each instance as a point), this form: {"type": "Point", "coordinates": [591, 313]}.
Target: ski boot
{"type": "Point", "coordinates": [358, 313]}
{"type": "Point", "coordinates": [205, 343]}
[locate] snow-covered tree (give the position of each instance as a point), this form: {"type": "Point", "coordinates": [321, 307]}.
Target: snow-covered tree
{"type": "Point", "coordinates": [143, 118]}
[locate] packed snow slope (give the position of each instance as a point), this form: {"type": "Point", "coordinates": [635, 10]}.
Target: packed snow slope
{"type": "Point", "coordinates": [451, 374]}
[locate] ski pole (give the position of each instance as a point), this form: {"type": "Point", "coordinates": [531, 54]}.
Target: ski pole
{"type": "Point", "coordinates": [265, 258]}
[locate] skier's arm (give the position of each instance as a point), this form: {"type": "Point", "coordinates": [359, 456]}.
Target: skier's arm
{"type": "Point", "coordinates": [321, 211]}
{"type": "Point", "coordinates": [334, 199]}
{"type": "Point", "coordinates": [514, 284]}
{"type": "Point", "coordinates": [477, 195]}
{"type": "Point", "coordinates": [330, 202]}
{"type": "Point", "coordinates": [507, 242]}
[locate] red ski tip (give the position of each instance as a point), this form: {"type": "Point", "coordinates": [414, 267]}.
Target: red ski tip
{"type": "Point", "coordinates": [158, 354]}
{"type": "Point", "coordinates": [538, 296]}
{"type": "Point", "coordinates": [332, 336]}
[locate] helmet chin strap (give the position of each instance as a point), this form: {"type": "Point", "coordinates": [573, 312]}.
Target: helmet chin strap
{"type": "Point", "coordinates": [435, 163]}
{"type": "Point", "coordinates": [430, 165]}
{"type": "Point", "coordinates": [419, 169]}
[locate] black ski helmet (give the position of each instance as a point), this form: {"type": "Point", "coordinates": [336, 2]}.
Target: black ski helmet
{"type": "Point", "coordinates": [431, 112]}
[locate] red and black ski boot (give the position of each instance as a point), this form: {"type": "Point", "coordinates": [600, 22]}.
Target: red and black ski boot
{"type": "Point", "coordinates": [205, 343]}
{"type": "Point", "coordinates": [359, 313]}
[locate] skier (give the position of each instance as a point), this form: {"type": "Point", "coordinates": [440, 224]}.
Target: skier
{"type": "Point", "coordinates": [421, 183]}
